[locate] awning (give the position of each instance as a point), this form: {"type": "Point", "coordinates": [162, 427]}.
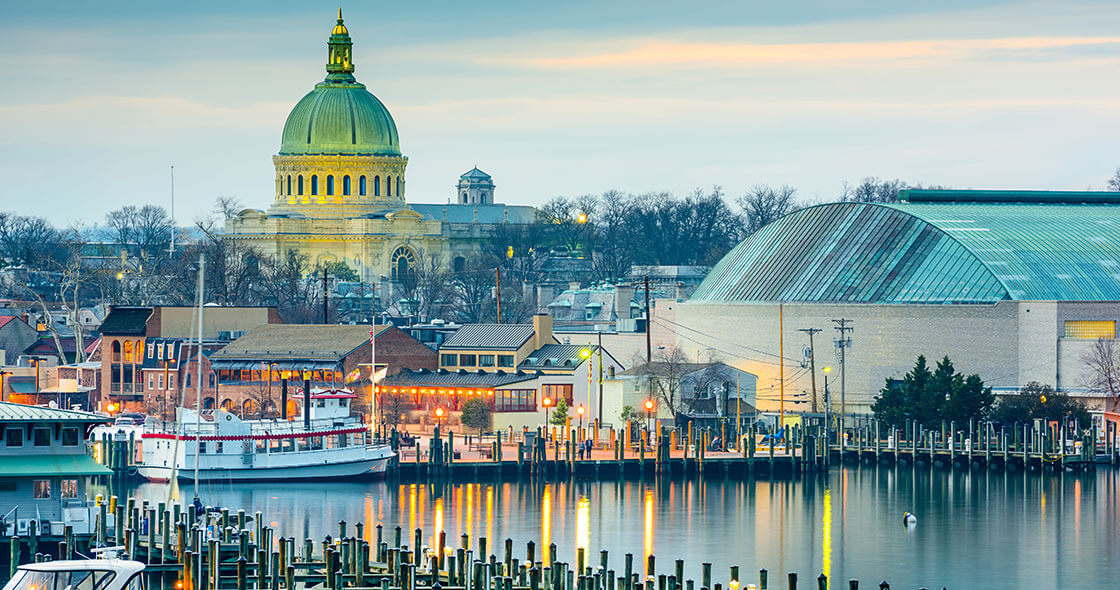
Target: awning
{"type": "Point", "coordinates": [51, 465]}
{"type": "Point", "coordinates": [282, 365]}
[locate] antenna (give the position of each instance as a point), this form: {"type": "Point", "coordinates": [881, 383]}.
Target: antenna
{"type": "Point", "coordinates": [171, 250]}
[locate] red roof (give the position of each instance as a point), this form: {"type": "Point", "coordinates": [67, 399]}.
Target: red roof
{"type": "Point", "coordinates": [4, 319]}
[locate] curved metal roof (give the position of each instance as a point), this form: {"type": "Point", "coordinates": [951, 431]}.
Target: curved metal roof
{"type": "Point", "coordinates": [959, 252]}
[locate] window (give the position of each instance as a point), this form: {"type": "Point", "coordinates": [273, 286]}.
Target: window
{"type": "Point", "coordinates": [160, 348]}
{"type": "Point", "coordinates": [464, 196]}
{"type": "Point", "coordinates": [68, 489]}
{"type": "Point", "coordinates": [466, 360]}
{"type": "Point", "coordinates": [459, 264]}
{"type": "Point", "coordinates": [486, 360]}
{"type": "Point", "coordinates": [299, 184]}
{"type": "Point", "coordinates": [150, 353]}
{"type": "Point", "coordinates": [589, 313]}
{"type": "Point", "coordinates": [1090, 329]}
{"type": "Point", "coordinates": [377, 186]}
{"type": "Point", "coordinates": [151, 381]}
{"type": "Point", "coordinates": [314, 184]}
{"type": "Point", "coordinates": [557, 392]}
{"type": "Point", "coordinates": [69, 437]}
{"type": "Point", "coordinates": [482, 198]}
{"type": "Point", "coordinates": [171, 381]}
{"type": "Point", "coordinates": [388, 186]}
{"type": "Point", "coordinates": [398, 186]}
{"type": "Point", "coordinates": [505, 360]}
{"type": "Point", "coordinates": [116, 351]}
{"type": "Point", "coordinates": [218, 446]}
{"type": "Point", "coordinates": [160, 381]}
{"type": "Point", "coordinates": [330, 184]}
{"type": "Point", "coordinates": [13, 437]}
{"type": "Point", "coordinates": [128, 349]}
{"type": "Point", "coordinates": [346, 185]}
{"type": "Point", "coordinates": [403, 261]}
{"type": "Point", "coordinates": [211, 381]}
{"type": "Point", "coordinates": [42, 437]}
{"type": "Point", "coordinates": [362, 185]}
{"type": "Point", "coordinates": [289, 184]}
{"type": "Point", "coordinates": [449, 360]}
{"type": "Point", "coordinates": [187, 379]}
{"type": "Point", "coordinates": [201, 448]}
{"type": "Point", "coordinates": [42, 488]}
{"type": "Point", "coordinates": [515, 400]}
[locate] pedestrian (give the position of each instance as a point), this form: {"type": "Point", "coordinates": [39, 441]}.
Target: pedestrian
{"type": "Point", "coordinates": [580, 448]}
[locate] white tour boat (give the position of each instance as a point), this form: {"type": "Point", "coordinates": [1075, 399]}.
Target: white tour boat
{"type": "Point", "coordinates": [324, 442]}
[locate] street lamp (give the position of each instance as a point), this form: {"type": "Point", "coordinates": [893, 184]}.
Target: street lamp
{"type": "Point", "coordinates": [580, 410]}
{"type": "Point", "coordinates": [546, 402]}
{"type": "Point", "coordinates": [649, 414]}
{"type": "Point", "coordinates": [439, 416]}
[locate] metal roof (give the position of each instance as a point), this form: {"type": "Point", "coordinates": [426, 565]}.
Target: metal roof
{"type": "Point", "coordinates": [981, 251]}
{"type": "Point", "coordinates": [13, 412]}
{"type": "Point", "coordinates": [126, 321]}
{"type": "Point", "coordinates": [296, 342]}
{"type": "Point", "coordinates": [489, 337]}
{"type": "Point", "coordinates": [48, 465]}
{"type": "Point", "coordinates": [491, 214]}
{"type": "Point", "coordinates": [560, 356]}
{"type": "Point", "coordinates": [459, 378]}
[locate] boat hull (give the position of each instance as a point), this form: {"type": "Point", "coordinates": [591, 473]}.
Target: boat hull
{"type": "Point", "coordinates": [341, 470]}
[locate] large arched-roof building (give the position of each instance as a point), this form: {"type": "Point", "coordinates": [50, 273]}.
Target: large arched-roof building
{"type": "Point", "coordinates": [1013, 285]}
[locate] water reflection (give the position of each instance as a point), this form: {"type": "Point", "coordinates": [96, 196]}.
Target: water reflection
{"type": "Point", "coordinates": [976, 529]}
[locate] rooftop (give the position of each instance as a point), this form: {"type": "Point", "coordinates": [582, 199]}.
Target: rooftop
{"type": "Point", "coordinates": [460, 378]}
{"type": "Point", "coordinates": [126, 321]}
{"type": "Point", "coordinates": [936, 247]}
{"type": "Point", "coordinates": [562, 356]}
{"type": "Point", "coordinates": [300, 345]}
{"type": "Point", "coordinates": [489, 336]}
{"type": "Point", "coordinates": [12, 412]}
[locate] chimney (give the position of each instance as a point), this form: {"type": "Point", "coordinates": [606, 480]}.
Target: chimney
{"type": "Point", "coordinates": [623, 296]}
{"type": "Point", "coordinates": [573, 285]}
{"type": "Point", "coordinates": [545, 295]}
{"type": "Point", "coordinates": [542, 330]}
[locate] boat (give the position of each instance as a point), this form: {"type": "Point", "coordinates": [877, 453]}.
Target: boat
{"type": "Point", "coordinates": [325, 442]}
{"type": "Point", "coordinates": [79, 574]}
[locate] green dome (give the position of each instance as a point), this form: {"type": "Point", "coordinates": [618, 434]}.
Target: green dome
{"type": "Point", "coordinates": [340, 118]}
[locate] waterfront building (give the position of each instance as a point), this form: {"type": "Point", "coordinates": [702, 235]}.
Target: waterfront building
{"type": "Point", "coordinates": [252, 370]}
{"type": "Point", "coordinates": [16, 336]}
{"type": "Point", "coordinates": [678, 392]}
{"type": "Point", "coordinates": [123, 347]}
{"type": "Point", "coordinates": [340, 188]}
{"type": "Point", "coordinates": [1015, 286]}
{"type": "Point", "coordinates": [516, 367]}
{"type": "Point", "coordinates": [43, 465]}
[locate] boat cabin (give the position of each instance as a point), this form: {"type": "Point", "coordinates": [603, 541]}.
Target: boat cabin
{"type": "Point", "coordinates": [44, 465]}
{"type": "Point", "coordinates": [329, 404]}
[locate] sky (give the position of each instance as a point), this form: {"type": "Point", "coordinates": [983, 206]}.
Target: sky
{"type": "Point", "coordinates": [99, 99]}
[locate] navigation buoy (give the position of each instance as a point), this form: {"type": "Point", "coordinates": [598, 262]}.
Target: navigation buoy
{"type": "Point", "coordinates": [908, 519]}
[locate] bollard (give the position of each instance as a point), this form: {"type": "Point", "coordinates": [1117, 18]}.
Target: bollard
{"type": "Point", "coordinates": [762, 575]}
{"type": "Point", "coordinates": [822, 582]}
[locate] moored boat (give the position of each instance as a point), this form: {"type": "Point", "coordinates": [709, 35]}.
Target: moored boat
{"type": "Point", "coordinates": [326, 442]}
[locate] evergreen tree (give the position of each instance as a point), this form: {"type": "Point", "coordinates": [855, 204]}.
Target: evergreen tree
{"type": "Point", "coordinates": [560, 413]}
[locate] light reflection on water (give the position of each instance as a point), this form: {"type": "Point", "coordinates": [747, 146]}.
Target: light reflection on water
{"type": "Point", "coordinates": [975, 529]}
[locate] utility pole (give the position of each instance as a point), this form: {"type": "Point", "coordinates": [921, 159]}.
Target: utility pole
{"type": "Point", "coordinates": [649, 325]}
{"type": "Point", "coordinates": [324, 294]}
{"type": "Point", "coordinates": [599, 414]}
{"type": "Point", "coordinates": [842, 344]}
{"type": "Point", "coordinates": [171, 250]}
{"type": "Point", "coordinates": [812, 364]}
{"type": "Point", "coordinates": [498, 285]}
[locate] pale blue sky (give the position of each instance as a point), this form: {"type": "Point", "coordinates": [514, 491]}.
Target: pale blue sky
{"type": "Point", "coordinates": [566, 98]}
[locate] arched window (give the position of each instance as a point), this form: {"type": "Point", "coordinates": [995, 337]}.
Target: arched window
{"type": "Point", "coordinates": [388, 186]}
{"type": "Point", "coordinates": [248, 407]}
{"type": "Point", "coordinates": [398, 189]}
{"type": "Point", "coordinates": [210, 381]}
{"type": "Point", "coordinates": [208, 403]}
{"type": "Point", "coordinates": [128, 348]}
{"type": "Point", "coordinates": [362, 185]}
{"type": "Point", "coordinates": [459, 264]}
{"type": "Point", "coordinates": [299, 184]}
{"type": "Point", "coordinates": [482, 198]}
{"type": "Point", "coordinates": [289, 184]}
{"type": "Point", "coordinates": [116, 351]}
{"type": "Point", "coordinates": [314, 184]}
{"type": "Point", "coordinates": [227, 405]}
{"type": "Point", "coordinates": [464, 196]}
{"type": "Point", "coordinates": [346, 186]}
{"type": "Point", "coordinates": [330, 184]}
{"type": "Point", "coordinates": [377, 186]}
{"type": "Point", "coordinates": [403, 263]}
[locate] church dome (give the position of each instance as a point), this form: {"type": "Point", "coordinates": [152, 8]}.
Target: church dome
{"type": "Point", "coordinates": [340, 116]}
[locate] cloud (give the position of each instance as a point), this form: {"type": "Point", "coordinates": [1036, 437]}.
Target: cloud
{"type": "Point", "coordinates": [645, 53]}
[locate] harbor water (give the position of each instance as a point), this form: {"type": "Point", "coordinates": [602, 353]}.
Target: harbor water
{"type": "Point", "coordinates": [975, 529]}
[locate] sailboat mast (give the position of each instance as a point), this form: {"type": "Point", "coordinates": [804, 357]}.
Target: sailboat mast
{"type": "Point", "coordinates": [372, 360]}
{"type": "Point", "coordinates": [171, 250]}
{"type": "Point", "coordinates": [198, 381]}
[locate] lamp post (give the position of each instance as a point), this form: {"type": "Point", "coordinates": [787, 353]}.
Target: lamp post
{"type": "Point", "coordinates": [649, 414]}
{"type": "Point", "coordinates": [439, 417]}
{"type": "Point", "coordinates": [580, 410]}
{"type": "Point", "coordinates": [546, 403]}
{"type": "Point", "coordinates": [827, 407]}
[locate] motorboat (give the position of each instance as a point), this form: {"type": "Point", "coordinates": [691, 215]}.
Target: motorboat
{"type": "Point", "coordinates": [79, 574]}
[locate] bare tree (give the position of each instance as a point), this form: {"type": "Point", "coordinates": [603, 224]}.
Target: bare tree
{"type": "Point", "coordinates": [227, 206]}
{"type": "Point", "coordinates": [1114, 182]}
{"type": "Point", "coordinates": [1103, 362]}
{"type": "Point", "coordinates": [27, 240]}
{"type": "Point", "coordinates": [872, 190]}
{"type": "Point", "coordinates": [425, 287]}
{"type": "Point", "coordinates": [613, 256]}
{"type": "Point", "coordinates": [473, 289]}
{"type": "Point", "coordinates": [764, 203]}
